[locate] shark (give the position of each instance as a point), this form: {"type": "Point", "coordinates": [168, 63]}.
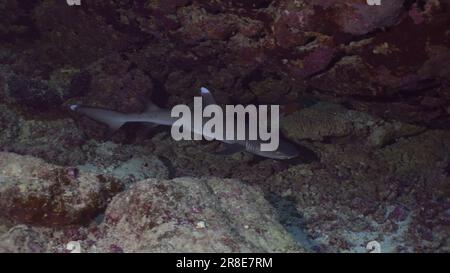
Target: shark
{"type": "Point", "coordinates": [156, 116]}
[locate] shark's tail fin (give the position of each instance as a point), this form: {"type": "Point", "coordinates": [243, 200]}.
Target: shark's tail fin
{"type": "Point", "coordinates": [113, 119]}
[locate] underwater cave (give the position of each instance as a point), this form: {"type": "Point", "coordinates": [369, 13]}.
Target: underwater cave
{"type": "Point", "coordinates": [88, 162]}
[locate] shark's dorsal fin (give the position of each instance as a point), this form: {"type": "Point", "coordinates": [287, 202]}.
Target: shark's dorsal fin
{"type": "Point", "coordinates": [208, 98]}
{"type": "Point", "coordinates": [150, 106]}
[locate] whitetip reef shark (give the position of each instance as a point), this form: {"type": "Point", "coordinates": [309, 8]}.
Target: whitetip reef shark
{"type": "Point", "coordinates": [160, 116]}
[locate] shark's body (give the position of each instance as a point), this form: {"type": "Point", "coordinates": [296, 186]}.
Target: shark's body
{"type": "Point", "coordinates": [159, 116]}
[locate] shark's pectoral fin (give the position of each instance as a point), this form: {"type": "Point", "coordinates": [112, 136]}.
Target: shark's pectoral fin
{"type": "Point", "coordinates": [149, 125]}
{"type": "Point", "coordinates": [231, 149]}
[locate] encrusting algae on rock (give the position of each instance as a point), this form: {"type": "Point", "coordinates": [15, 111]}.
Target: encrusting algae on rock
{"type": "Point", "coordinates": [364, 88]}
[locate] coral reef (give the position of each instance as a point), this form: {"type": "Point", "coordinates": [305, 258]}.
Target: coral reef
{"type": "Point", "coordinates": [364, 88]}
{"type": "Point", "coordinates": [341, 50]}
{"type": "Point", "coordinates": [34, 192]}
{"type": "Point", "coordinates": [193, 215]}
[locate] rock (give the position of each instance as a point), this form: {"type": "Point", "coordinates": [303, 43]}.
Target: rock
{"type": "Point", "coordinates": [117, 83]}
{"type": "Point", "coordinates": [38, 193]}
{"type": "Point", "coordinates": [124, 162]}
{"type": "Point", "coordinates": [193, 215]}
{"type": "Point", "coordinates": [346, 50]}
{"type": "Point", "coordinates": [386, 133]}
{"type": "Point", "coordinates": [361, 18]}
{"type": "Point", "coordinates": [423, 155]}
{"type": "Point", "coordinates": [387, 64]}
{"type": "Point", "coordinates": [359, 188]}
{"type": "Point", "coordinates": [33, 93]}
{"type": "Point", "coordinates": [58, 141]}
{"type": "Point", "coordinates": [23, 239]}
{"type": "Point", "coordinates": [320, 121]}
{"type": "Point", "coordinates": [9, 123]}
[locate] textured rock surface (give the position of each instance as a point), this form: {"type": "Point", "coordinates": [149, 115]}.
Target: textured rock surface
{"type": "Point", "coordinates": [23, 239]}
{"type": "Point", "coordinates": [54, 140]}
{"type": "Point", "coordinates": [366, 88]}
{"type": "Point", "coordinates": [378, 180]}
{"type": "Point", "coordinates": [193, 215]}
{"type": "Point", "coordinates": [344, 50]}
{"type": "Point", "coordinates": [34, 192]}
{"type": "Point", "coordinates": [125, 162]}
{"type": "Point", "coordinates": [375, 180]}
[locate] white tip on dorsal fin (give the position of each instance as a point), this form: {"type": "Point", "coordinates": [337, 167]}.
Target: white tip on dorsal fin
{"type": "Point", "coordinates": [150, 106]}
{"type": "Point", "coordinates": [208, 98]}
{"type": "Point", "coordinates": [204, 90]}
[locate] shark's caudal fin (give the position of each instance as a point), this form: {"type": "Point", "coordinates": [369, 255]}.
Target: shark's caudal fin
{"type": "Point", "coordinates": [113, 119]}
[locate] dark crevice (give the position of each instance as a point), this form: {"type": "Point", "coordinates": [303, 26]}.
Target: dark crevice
{"type": "Point", "coordinates": [393, 96]}
{"type": "Point", "coordinates": [159, 95]}
{"type": "Point", "coordinates": [292, 220]}
{"type": "Point", "coordinates": [395, 140]}
{"type": "Point", "coordinates": [170, 167]}
{"type": "Point", "coordinates": [420, 4]}
{"type": "Point", "coordinates": [336, 59]}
